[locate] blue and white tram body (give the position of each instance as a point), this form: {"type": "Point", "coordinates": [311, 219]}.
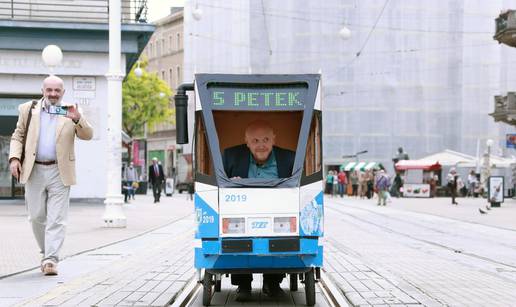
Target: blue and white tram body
{"type": "Point", "coordinates": [257, 225]}
{"type": "Point", "coordinates": [267, 241]}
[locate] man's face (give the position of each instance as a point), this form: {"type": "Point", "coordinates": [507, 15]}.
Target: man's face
{"type": "Point", "coordinates": [53, 90]}
{"type": "Point", "coordinates": [260, 142]}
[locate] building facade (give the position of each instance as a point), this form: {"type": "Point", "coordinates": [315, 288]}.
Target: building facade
{"type": "Point", "coordinates": [414, 74]}
{"type": "Point", "coordinates": [82, 34]}
{"type": "Point", "coordinates": [165, 54]}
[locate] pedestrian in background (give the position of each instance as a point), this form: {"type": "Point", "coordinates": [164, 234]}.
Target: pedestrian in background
{"type": "Point", "coordinates": [329, 182]}
{"type": "Point", "coordinates": [343, 181]}
{"type": "Point", "coordinates": [370, 184]}
{"type": "Point", "coordinates": [156, 178]}
{"type": "Point", "coordinates": [126, 191]}
{"type": "Point", "coordinates": [397, 183]}
{"type": "Point", "coordinates": [191, 190]}
{"type": "Point", "coordinates": [452, 179]}
{"type": "Point", "coordinates": [362, 184]}
{"type": "Point", "coordinates": [472, 182]}
{"type": "Point", "coordinates": [131, 177]}
{"type": "Point", "coordinates": [382, 185]}
{"type": "Point", "coordinates": [433, 185]}
{"type": "Point", "coordinates": [335, 190]}
{"type": "Point", "coordinates": [42, 156]}
{"type": "Point", "coordinates": [354, 182]}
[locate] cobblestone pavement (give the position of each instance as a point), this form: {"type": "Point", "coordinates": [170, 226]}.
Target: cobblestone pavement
{"type": "Point", "coordinates": [152, 257]}
{"type": "Point", "coordinates": [145, 271]}
{"type": "Point", "coordinates": [85, 231]}
{"type": "Point", "coordinates": [387, 256]}
{"type": "Point", "coordinates": [410, 253]}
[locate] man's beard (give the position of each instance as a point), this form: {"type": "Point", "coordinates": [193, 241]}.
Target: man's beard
{"type": "Point", "coordinates": [48, 102]}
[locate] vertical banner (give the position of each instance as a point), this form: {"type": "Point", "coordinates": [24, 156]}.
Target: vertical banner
{"type": "Point", "coordinates": [136, 152]}
{"type": "Point", "coordinates": [139, 153]}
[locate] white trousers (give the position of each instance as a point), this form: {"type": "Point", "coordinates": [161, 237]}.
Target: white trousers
{"type": "Point", "coordinates": [47, 201]}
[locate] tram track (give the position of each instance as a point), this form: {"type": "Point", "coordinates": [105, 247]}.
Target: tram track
{"type": "Point", "coordinates": [330, 292]}
{"type": "Point", "coordinates": [434, 229]}
{"type": "Point", "coordinates": [430, 242]}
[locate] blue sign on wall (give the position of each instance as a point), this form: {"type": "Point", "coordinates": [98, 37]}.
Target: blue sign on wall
{"type": "Point", "coordinates": [510, 140]}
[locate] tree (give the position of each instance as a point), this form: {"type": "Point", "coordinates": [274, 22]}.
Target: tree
{"type": "Point", "coordinates": [145, 100]}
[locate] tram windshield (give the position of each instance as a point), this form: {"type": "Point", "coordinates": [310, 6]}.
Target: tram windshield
{"type": "Point", "coordinates": [239, 142]}
{"type": "Point", "coordinates": [256, 134]}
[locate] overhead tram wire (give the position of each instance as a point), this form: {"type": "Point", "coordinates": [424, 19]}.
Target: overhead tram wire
{"type": "Point", "coordinates": [373, 73]}
{"type": "Point", "coordinates": [339, 23]}
{"type": "Point", "coordinates": [364, 44]}
{"type": "Point", "coordinates": [323, 11]}
{"type": "Point", "coordinates": [406, 50]}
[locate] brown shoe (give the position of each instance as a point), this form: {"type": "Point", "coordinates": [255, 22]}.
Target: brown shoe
{"type": "Point", "coordinates": [50, 269]}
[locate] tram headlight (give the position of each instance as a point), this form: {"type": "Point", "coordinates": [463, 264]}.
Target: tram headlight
{"type": "Point", "coordinates": [233, 225]}
{"type": "Point", "coordinates": [285, 224]}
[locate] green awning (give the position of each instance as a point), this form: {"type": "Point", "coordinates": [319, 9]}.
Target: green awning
{"type": "Point", "coordinates": [348, 167]}
{"type": "Point", "coordinates": [362, 166]}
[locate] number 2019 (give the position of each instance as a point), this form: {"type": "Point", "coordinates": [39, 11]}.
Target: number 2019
{"type": "Point", "coordinates": [235, 198]}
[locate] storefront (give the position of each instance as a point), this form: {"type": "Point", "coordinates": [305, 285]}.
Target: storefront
{"type": "Point", "coordinates": [83, 69]}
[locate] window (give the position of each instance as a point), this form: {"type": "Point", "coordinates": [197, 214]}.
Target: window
{"type": "Point", "coordinates": [158, 48]}
{"type": "Point", "coordinates": [164, 46]}
{"type": "Point", "coordinates": [203, 163]}
{"type": "Point", "coordinates": [231, 126]}
{"type": "Point", "coordinates": [163, 76]}
{"type": "Point", "coordinates": [178, 41]}
{"type": "Point", "coordinates": [170, 44]}
{"type": "Point", "coordinates": [170, 81]}
{"type": "Point", "coordinates": [178, 74]}
{"type": "Point", "coordinates": [150, 51]}
{"type": "Point", "coordinates": [313, 147]}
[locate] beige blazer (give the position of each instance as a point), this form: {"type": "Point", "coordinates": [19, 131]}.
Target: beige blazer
{"type": "Point", "coordinates": [66, 130]}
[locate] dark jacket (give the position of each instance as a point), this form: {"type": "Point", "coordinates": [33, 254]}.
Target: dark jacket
{"type": "Point", "coordinates": [156, 178]}
{"type": "Point", "coordinates": [236, 161]}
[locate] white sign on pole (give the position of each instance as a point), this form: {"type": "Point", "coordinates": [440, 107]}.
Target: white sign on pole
{"type": "Point", "coordinates": [495, 188]}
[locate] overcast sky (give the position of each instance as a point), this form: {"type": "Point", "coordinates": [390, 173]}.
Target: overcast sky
{"type": "Point", "coordinates": [160, 8]}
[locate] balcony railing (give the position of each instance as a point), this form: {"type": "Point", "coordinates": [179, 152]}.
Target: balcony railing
{"type": "Point", "coordinates": [506, 28]}
{"type": "Point", "coordinates": [88, 11]}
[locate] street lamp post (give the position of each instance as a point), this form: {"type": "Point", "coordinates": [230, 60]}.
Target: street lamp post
{"type": "Point", "coordinates": [345, 33]}
{"type": "Point", "coordinates": [486, 169]}
{"type": "Point", "coordinates": [138, 72]}
{"type": "Point", "coordinates": [52, 56]}
{"type": "Point", "coordinates": [113, 215]}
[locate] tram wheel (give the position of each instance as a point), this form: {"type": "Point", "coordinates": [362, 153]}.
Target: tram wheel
{"type": "Point", "coordinates": [218, 285]}
{"type": "Point", "coordinates": [207, 292]}
{"type": "Point", "coordinates": [293, 282]}
{"type": "Point", "coordinates": [310, 288]}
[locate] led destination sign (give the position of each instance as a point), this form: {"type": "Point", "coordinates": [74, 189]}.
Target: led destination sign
{"type": "Point", "coordinates": [271, 97]}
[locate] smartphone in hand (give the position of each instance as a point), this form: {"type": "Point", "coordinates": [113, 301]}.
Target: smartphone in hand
{"type": "Point", "coordinates": [59, 110]}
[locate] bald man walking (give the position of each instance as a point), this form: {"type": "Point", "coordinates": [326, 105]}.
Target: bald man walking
{"type": "Point", "coordinates": [45, 135]}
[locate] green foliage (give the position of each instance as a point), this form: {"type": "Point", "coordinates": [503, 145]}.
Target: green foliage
{"type": "Point", "coordinates": [145, 99]}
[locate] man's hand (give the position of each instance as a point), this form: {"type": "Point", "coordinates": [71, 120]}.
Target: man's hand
{"type": "Point", "coordinates": [73, 113]}
{"type": "Point", "coordinates": [15, 167]}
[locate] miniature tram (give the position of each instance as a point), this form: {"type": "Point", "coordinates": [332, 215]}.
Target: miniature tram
{"type": "Point", "coordinates": [256, 225]}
